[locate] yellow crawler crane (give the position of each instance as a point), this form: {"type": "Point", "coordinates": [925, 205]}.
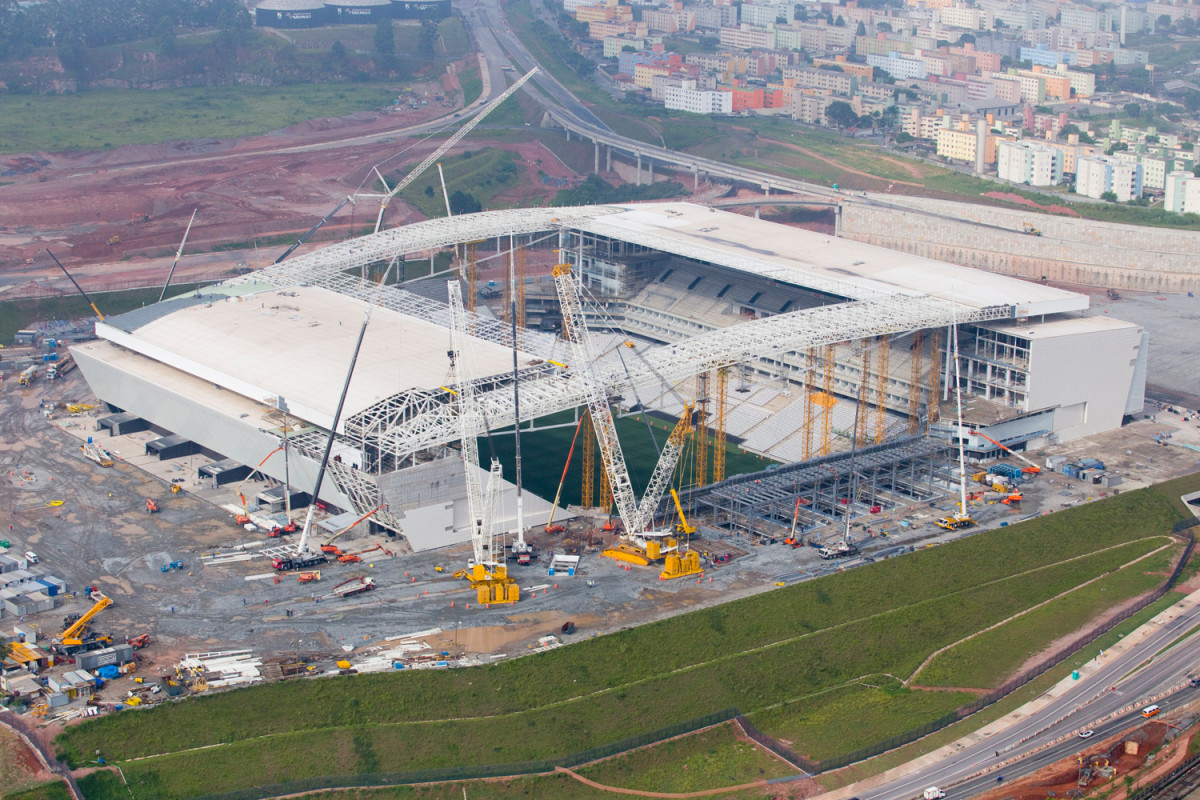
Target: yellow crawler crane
{"type": "Point", "coordinates": [639, 545]}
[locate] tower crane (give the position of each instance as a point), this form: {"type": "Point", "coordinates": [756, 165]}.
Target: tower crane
{"type": "Point", "coordinates": [639, 545]}
{"type": "Point", "coordinates": [487, 570]}
{"type": "Point", "coordinates": [432, 158]}
{"type": "Point", "coordinates": [1031, 469]}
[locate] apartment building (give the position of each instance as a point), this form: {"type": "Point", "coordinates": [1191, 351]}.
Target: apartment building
{"type": "Point", "coordinates": [691, 98]}
{"type": "Point", "coordinates": [1095, 175]}
{"type": "Point", "coordinates": [1029, 162]}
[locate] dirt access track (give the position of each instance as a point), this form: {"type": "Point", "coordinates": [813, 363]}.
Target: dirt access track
{"type": "Point", "coordinates": [243, 190]}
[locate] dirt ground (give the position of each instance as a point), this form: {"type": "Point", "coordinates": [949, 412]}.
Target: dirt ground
{"type": "Point", "coordinates": [19, 767]}
{"type": "Point", "coordinates": [1063, 779]}
{"type": "Point", "coordinates": [242, 190]}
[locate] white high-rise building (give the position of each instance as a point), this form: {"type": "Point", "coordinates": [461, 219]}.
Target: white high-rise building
{"type": "Point", "coordinates": [1095, 175]}
{"type": "Point", "coordinates": [698, 101]}
{"type": "Point", "coordinates": [1029, 162]}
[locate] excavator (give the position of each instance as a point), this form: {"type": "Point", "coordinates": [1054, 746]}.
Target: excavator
{"type": "Point", "coordinates": [1030, 468]}
{"type": "Point", "coordinates": [639, 545]}
{"type": "Point", "coordinates": [75, 638]}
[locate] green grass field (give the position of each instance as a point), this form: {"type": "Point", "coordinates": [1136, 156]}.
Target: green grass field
{"type": "Point", "coordinates": [17, 314]}
{"type": "Point", "coordinates": [55, 790]}
{"type": "Point", "coordinates": [801, 661]}
{"type": "Point", "coordinates": [105, 118]}
{"type": "Point", "coordinates": [543, 455]}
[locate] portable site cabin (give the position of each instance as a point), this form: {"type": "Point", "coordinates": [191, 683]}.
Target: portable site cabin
{"type": "Point", "coordinates": [173, 446]}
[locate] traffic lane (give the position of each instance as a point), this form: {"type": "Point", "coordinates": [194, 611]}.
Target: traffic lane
{"type": "Point", "coordinates": [1158, 675]}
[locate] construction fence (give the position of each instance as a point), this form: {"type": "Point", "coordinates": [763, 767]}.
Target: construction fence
{"type": "Point", "coordinates": [1183, 530]}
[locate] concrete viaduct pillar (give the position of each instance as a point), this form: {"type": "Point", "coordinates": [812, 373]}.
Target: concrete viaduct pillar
{"type": "Point", "coordinates": [650, 168]}
{"type": "Point", "coordinates": [638, 182]}
{"type": "Point", "coordinates": [596, 168]}
{"type": "Point", "coordinates": [608, 159]}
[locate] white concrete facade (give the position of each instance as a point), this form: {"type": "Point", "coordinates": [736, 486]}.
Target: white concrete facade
{"type": "Point", "coordinates": [697, 101]}
{"type": "Point", "coordinates": [1095, 175]}
{"type": "Point", "coordinates": [1029, 162]}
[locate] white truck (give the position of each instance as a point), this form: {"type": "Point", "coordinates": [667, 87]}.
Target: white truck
{"type": "Point", "coordinates": [934, 793]}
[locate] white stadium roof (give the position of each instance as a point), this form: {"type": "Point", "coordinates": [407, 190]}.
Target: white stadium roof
{"type": "Point", "coordinates": [296, 344]}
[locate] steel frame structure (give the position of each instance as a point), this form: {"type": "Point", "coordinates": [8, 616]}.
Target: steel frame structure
{"type": "Point", "coordinates": [395, 431]}
{"type": "Point", "coordinates": [895, 473]}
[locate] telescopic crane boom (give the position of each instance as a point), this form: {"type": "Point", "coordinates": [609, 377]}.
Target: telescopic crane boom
{"type": "Point", "coordinates": [1032, 468]}
{"type": "Point", "coordinates": [487, 570]}
{"type": "Point", "coordinates": [78, 288]}
{"type": "Point", "coordinates": [445, 146]}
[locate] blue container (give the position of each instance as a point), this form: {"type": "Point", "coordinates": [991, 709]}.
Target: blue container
{"type": "Point", "coordinates": [109, 672]}
{"type": "Point", "coordinates": [551, 572]}
{"type": "Point", "coordinates": [570, 571]}
{"type": "Point", "coordinates": [397, 665]}
{"type": "Point", "coordinates": [51, 589]}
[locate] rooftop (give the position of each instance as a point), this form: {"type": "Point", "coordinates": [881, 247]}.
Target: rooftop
{"type": "Point", "coordinates": [293, 347]}
{"type": "Point", "coordinates": [820, 261]}
{"type": "Point", "coordinates": [1059, 325]}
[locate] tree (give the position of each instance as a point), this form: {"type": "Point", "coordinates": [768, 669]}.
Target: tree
{"type": "Point", "coordinates": [1164, 22]}
{"type": "Point", "coordinates": [385, 38]}
{"type": "Point", "coordinates": [1110, 197]}
{"type": "Point", "coordinates": [831, 68]}
{"type": "Point", "coordinates": [1133, 110]}
{"type": "Point", "coordinates": [903, 137]}
{"type": "Point", "coordinates": [841, 114]}
{"type": "Point", "coordinates": [883, 76]}
{"type": "Point", "coordinates": [861, 30]}
{"type": "Point", "coordinates": [464, 203]}
{"type": "Point", "coordinates": [886, 27]}
{"type": "Point", "coordinates": [164, 35]}
{"type": "Point", "coordinates": [840, 22]}
{"type": "Point", "coordinates": [966, 38]}
{"type": "Point", "coordinates": [338, 52]}
{"type": "Point", "coordinates": [427, 38]}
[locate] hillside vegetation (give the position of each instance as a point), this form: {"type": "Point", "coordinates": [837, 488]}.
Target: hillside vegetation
{"type": "Point", "coordinates": [801, 661]}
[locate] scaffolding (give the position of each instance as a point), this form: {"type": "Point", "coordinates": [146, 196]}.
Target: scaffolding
{"type": "Point", "coordinates": [700, 434]}
{"type": "Point", "coordinates": [915, 354]}
{"type": "Point", "coordinates": [719, 438]}
{"type": "Point", "coordinates": [889, 475]}
{"type": "Point", "coordinates": [881, 389]}
{"type": "Point", "coordinates": [589, 461]}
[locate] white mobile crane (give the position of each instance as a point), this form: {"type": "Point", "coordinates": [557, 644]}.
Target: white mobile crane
{"type": "Point", "coordinates": [961, 519]}
{"type": "Point", "coordinates": [639, 544]}
{"type": "Point", "coordinates": [486, 570]}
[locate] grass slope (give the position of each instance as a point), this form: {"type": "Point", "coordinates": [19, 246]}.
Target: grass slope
{"type": "Point", "coordinates": [104, 118]}
{"type": "Point", "coordinates": [16, 314]}
{"type": "Point", "coordinates": [801, 660]}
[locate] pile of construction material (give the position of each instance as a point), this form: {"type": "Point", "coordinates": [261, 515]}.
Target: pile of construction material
{"type": "Point", "coordinates": [221, 669]}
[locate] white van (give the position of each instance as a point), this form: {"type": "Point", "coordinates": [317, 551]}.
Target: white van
{"type": "Point", "coordinates": [31, 557]}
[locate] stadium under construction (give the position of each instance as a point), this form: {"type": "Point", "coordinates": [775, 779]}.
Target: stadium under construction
{"type": "Point", "coordinates": [829, 356]}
